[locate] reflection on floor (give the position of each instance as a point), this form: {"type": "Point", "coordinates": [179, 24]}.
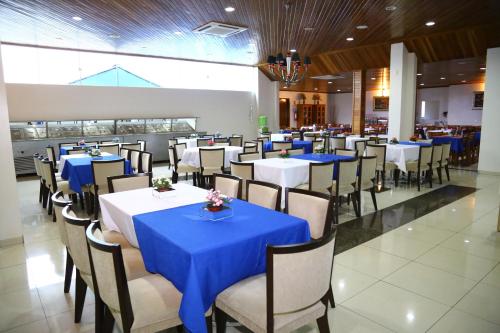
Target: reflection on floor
{"type": "Point", "coordinates": [439, 272]}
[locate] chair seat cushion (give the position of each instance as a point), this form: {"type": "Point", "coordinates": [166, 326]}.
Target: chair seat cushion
{"type": "Point", "coordinates": [134, 263]}
{"type": "Point", "coordinates": [63, 185]}
{"type": "Point", "coordinates": [343, 190]}
{"type": "Point", "coordinates": [412, 166]}
{"type": "Point", "coordinates": [390, 166]}
{"type": "Point", "coordinates": [186, 168]}
{"type": "Point", "coordinates": [245, 301]}
{"type": "Point", "coordinates": [303, 186]}
{"type": "Point", "coordinates": [115, 237]}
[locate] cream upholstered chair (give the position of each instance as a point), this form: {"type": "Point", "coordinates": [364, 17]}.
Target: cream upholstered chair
{"type": "Point", "coordinates": [360, 146]}
{"type": "Point", "coordinates": [221, 140]}
{"type": "Point", "coordinates": [75, 230]}
{"type": "Point", "coordinates": [113, 149]}
{"type": "Point", "coordinates": [59, 203]}
{"type": "Point", "coordinates": [337, 142]}
{"type": "Point", "coordinates": [211, 161]}
{"type": "Point", "coordinates": [437, 155]}
{"type": "Point", "coordinates": [242, 157]}
{"type": "Point", "coordinates": [101, 170]}
{"type": "Point", "coordinates": [107, 142]}
{"type": "Point", "coordinates": [172, 142]}
{"type": "Point", "coordinates": [146, 304]}
{"type": "Point", "coordinates": [382, 141]}
{"type": "Point", "coordinates": [136, 146]}
{"type": "Point", "coordinates": [179, 150]}
{"type": "Point", "coordinates": [281, 145]}
{"type": "Point", "coordinates": [245, 171]}
{"type": "Point", "coordinates": [264, 137]}
{"type": "Point", "coordinates": [320, 177]}
{"type": "Point", "coordinates": [146, 162]}
{"type": "Point", "coordinates": [295, 135]}
{"type": "Point", "coordinates": [272, 154]}
{"type": "Point", "coordinates": [180, 168]}
{"type": "Point", "coordinates": [445, 159]}
{"type": "Point", "coordinates": [51, 155]}
{"type": "Point", "coordinates": [92, 143]}
{"type": "Point", "coordinates": [260, 147]}
{"type": "Point", "coordinates": [250, 147]}
{"type": "Point", "coordinates": [221, 144]}
{"type": "Point", "coordinates": [52, 185]}
{"type": "Point", "coordinates": [309, 137]}
{"type": "Point", "coordinates": [345, 184]}
{"type": "Point", "coordinates": [345, 152]}
{"type": "Point", "coordinates": [423, 164]}
{"type": "Point", "coordinates": [264, 194]}
{"type": "Point", "coordinates": [135, 159]}
{"type": "Point", "coordinates": [236, 140]}
{"type": "Point", "coordinates": [316, 144]}
{"type": "Point", "coordinates": [382, 164]}
{"type": "Point", "coordinates": [36, 162]}
{"type": "Point", "coordinates": [297, 151]}
{"type": "Point", "coordinates": [202, 142]}
{"type": "Point", "coordinates": [314, 207]}
{"type": "Point", "coordinates": [228, 185]}
{"type": "Point", "coordinates": [125, 153]}
{"type": "Point", "coordinates": [366, 178]}
{"type": "Point", "coordinates": [143, 144]}
{"type": "Point", "coordinates": [283, 299]}
{"type": "Point", "coordinates": [129, 182]}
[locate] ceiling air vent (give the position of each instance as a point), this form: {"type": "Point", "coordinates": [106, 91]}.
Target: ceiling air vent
{"type": "Point", "coordinates": [219, 29]}
{"type": "Point", "coordinates": [327, 77]}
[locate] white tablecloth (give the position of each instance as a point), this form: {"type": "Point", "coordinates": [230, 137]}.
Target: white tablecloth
{"type": "Point", "coordinates": [349, 141]}
{"type": "Point", "coordinates": [288, 172]}
{"type": "Point", "coordinates": [191, 156]}
{"type": "Point", "coordinates": [63, 158]}
{"type": "Point", "coordinates": [400, 154]}
{"type": "Point", "coordinates": [190, 143]}
{"type": "Point", "coordinates": [440, 131]}
{"type": "Point", "coordinates": [118, 208]}
{"type": "Point", "coordinates": [280, 137]}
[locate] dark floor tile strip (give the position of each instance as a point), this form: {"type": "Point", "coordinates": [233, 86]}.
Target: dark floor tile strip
{"type": "Point", "coordinates": [367, 227]}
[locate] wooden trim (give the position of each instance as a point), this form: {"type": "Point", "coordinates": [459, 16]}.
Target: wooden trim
{"type": "Point", "coordinates": [311, 167]}
{"type": "Point", "coordinates": [236, 178]}
{"type": "Point", "coordinates": [97, 162]}
{"type": "Point", "coordinates": [243, 164]}
{"type": "Point", "coordinates": [212, 149]}
{"type": "Point", "coordinates": [270, 185]}
{"type": "Point", "coordinates": [243, 154]}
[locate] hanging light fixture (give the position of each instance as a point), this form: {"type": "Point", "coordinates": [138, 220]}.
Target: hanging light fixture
{"type": "Point", "coordinates": [288, 69]}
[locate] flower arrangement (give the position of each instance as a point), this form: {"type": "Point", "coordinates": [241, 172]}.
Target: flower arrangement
{"type": "Point", "coordinates": [284, 154]}
{"type": "Point", "coordinates": [95, 152]}
{"type": "Point", "coordinates": [210, 142]}
{"type": "Point", "coordinates": [413, 138]}
{"type": "Point", "coordinates": [81, 142]}
{"type": "Point", "coordinates": [162, 184]}
{"type": "Point", "coordinates": [394, 141]}
{"type": "Point", "coordinates": [319, 149]}
{"type": "Point", "coordinates": [216, 200]}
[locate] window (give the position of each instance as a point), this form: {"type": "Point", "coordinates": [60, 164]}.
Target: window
{"type": "Point", "coordinates": [422, 110]}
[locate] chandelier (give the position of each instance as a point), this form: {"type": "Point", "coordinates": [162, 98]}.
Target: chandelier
{"type": "Point", "coordinates": [289, 70]}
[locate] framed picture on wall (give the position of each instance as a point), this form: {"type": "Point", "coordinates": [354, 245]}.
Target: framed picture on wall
{"type": "Point", "coordinates": [380, 103]}
{"type": "Point", "coordinates": [478, 100]}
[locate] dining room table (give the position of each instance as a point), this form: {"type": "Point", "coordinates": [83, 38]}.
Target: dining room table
{"type": "Point", "coordinates": [457, 142]}
{"type": "Point", "coordinates": [280, 136]}
{"type": "Point", "coordinates": [191, 156]}
{"type": "Point", "coordinates": [322, 158]}
{"type": "Point", "coordinates": [190, 142]}
{"type": "Point", "coordinates": [77, 169]}
{"type": "Point", "coordinates": [296, 144]}
{"type": "Point", "coordinates": [401, 153]}
{"type": "Point", "coordinates": [201, 255]}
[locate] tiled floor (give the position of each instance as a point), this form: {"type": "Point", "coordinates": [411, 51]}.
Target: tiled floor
{"type": "Point", "coordinates": [437, 273]}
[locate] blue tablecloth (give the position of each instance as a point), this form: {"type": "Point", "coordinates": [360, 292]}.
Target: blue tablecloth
{"type": "Point", "coordinates": [64, 150]}
{"type": "Point", "coordinates": [477, 137]}
{"type": "Point", "coordinates": [78, 171]}
{"type": "Point", "coordinates": [325, 158]}
{"type": "Point", "coordinates": [296, 144]}
{"type": "Point", "coordinates": [286, 131]}
{"type": "Point", "coordinates": [457, 142]}
{"type": "Point", "coordinates": [423, 144]}
{"type": "Point", "coordinates": [202, 258]}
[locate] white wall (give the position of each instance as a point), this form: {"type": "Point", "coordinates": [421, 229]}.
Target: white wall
{"type": "Point", "coordinates": [292, 96]}
{"type": "Point", "coordinates": [489, 155]}
{"type": "Point", "coordinates": [10, 222]}
{"type": "Point", "coordinates": [224, 111]}
{"type": "Point", "coordinates": [460, 101]}
{"type": "Point", "coordinates": [267, 93]}
{"type": "Point", "coordinates": [342, 108]}
{"type": "Point", "coordinates": [431, 95]}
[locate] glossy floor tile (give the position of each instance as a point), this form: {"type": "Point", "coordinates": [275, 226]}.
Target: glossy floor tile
{"type": "Point", "coordinates": [456, 321]}
{"type": "Point", "coordinates": [482, 301]}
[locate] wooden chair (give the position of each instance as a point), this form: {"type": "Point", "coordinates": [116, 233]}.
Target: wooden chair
{"type": "Point", "coordinates": [111, 149]}
{"type": "Point", "coordinates": [264, 194]}
{"type": "Point", "coordinates": [129, 182]}
{"type": "Point", "coordinates": [101, 170]}
{"type": "Point", "coordinates": [320, 177]}
{"type": "Point", "coordinates": [366, 178]}
{"type": "Point", "coordinates": [211, 161]}
{"type": "Point", "coordinates": [243, 157]}
{"type": "Point", "coordinates": [422, 165]}
{"type": "Point", "coordinates": [180, 168]}
{"type": "Point", "coordinates": [228, 185]}
{"type": "Point", "coordinates": [281, 145]}
{"type": "Point", "coordinates": [245, 171]}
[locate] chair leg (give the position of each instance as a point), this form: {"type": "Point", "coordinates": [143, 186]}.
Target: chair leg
{"type": "Point", "coordinates": [418, 179]}
{"type": "Point", "coordinates": [209, 324]}
{"type": "Point", "coordinates": [447, 172]}
{"type": "Point", "coordinates": [194, 178]}
{"type": "Point", "coordinates": [337, 206]}
{"type": "Point", "coordinates": [96, 206]}
{"type": "Point", "coordinates": [40, 195]}
{"type": "Point", "coordinates": [220, 320]}
{"type": "Point", "coordinates": [323, 324]}
{"type": "Point", "coordinates": [99, 316]}
{"type": "Point", "coordinates": [331, 299]}
{"type": "Point", "coordinates": [397, 172]}
{"type": "Point", "coordinates": [49, 209]}
{"type": "Point", "coordinates": [374, 199]}
{"type": "Point", "coordinates": [431, 174]}
{"type": "Point", "coordinates": [44, 197]}
{"type": "Point", "coordinates": [80, 291]}
{"type": "Point", "coordinates": [81, 198]}
{"type": "Point", "coordinates": [440, 175]}
{"type": "Point", "coordinates": [69, 272]}
{"type": "Point", "coordinates": [355, 204]}
{"type": "Point", "coordinates": [109, 321]}
{"type": "Point", "coordinates": [383, 179]}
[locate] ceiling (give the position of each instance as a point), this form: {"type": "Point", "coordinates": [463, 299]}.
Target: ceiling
{"type": "Point", "coordinates": [463, 29]}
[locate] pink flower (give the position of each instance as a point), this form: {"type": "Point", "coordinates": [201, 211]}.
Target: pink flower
{"type": "Point", "coordinates": [283, 151]}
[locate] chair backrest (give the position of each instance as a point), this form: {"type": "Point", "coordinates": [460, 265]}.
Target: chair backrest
{"type": "Point", "coordinates": [108, 271]}
{"type": "Point", "coordinates": [314, 207]}
{"type": "Point", "coordinates": [309, 137]}
{"type": "Point", "coordinates": [236, 141]}
{"type": "Point", "coordinates": [260, 147]}
{"type": "Point", "coordinates": [289, 288]}
{"type": "Point", "coordinates": [320, 176]}
{"type": "Point", "coordinates": [272, 154]}
{"type": "Point", "coordinates": [245, 171]}
{"type": "Point", "coordinates": [211, 160]}
{"type": "Point", "coordinates": [59, 203]}
{"type": "Point", "coordinates": [49, 175]}
{"type": "Point", "coordinates": [125, 153]}
{"type": "Point", "coordinates": [179, 149]}
{"type": "Point", "coordinates": [437, 153]}
{"type": "Point", "coordinates": [380, 152]}
{"type": "Point", "coordinates": [143, 144]}
{"type": "Point", "coordinates": [337, 142]}
{"type": "Point", "coordinates": [36, 162]}
{"type": "Point", "coordinates": [250, 147]}
{"type": "Point", "coordinates": [360, 146]}
{"type": "Point", "coordinates": [43, 169]}
{"type": "Point", "coordinates": [264, 137]}
{"type": "Point", "coordinates": [51, 154]}
{"type": "Point", "coordinates": [172, 142]}
{"type": "Point", "coordinates": [102, 169]}
{"type": "Point", "coordinates": [136, 146]}
{"type": "Point", "coordinates": [146, 162]}
{"type": "Point", "coordinates": [221, 140]}
{"type": "Point", "coordinates": [347, 174]}
{"type": "Point", "coordinates": [202, 142]}
{"type": "Point", "coordinates": [281, 145]}
{"type": "Point", "coordinates": [295, 135]}
{"type": "Point", "coordinates": [345, 152]}
{"type": "Point", "coordinates": [367, 172]}
{"type": "Point", "coordinates": [111, 148]}
{"type": "Point", "coordinates": [107, 142]}
{"type": "Point", "coordinates": [75, 151]}
{"type": "Point", "coordinates": [264, 194]}
{"type": "Point", "coordinates": [242, 157]}
{"type": "Point", "coordinates": [446, 153]}
{"type": "Point", "coordinates": [371, 142]}
{"type": "Point", "coordinates": [425, 157]}
{"type": "Point", "coordinates": [228, 185]}
{"type": "Point", "coordinates": [135, 159]}
{"type": "Point", "coordinates": [172, 156]}
{"type": "Point", "coordinates": [75, 229]}
{"type": "Point", "coordinates": [382, 140]}
{"type": "Point", "coordinates": [129, 182]}
{"type": "Point", "coordinates": [221, 144]}
{"type": "Point", "coordinates": [297, 151]}
{"type": "Point", "coordinates": [317, 143]}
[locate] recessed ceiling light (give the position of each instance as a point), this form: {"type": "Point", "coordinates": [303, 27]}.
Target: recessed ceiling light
{"type": "Point", "coordinates": [293, 50]}
{"type": "Point", "coordinates": [330, 82]}
{"type": "Point", "coordinates": [482, 68]}
{"type": "Point", "coordinates": [178, 33]}
{"type": "Point", "coordinates": [422, 84]}
{"type": "Point", "coordinates": [339, 90]}
{"type": "Point", "coordinates": [59, 38]}
{"type": "Point", "coordinates": [466, 241]}
{"type": "Point", "coordinates": [442, 78]}
{"type": "Point", "coordinates": [460, 74]}
{"type": "Point", "coordinates": [463, 81]}
{"type": "Point", "coordinates": [308, 29]}
{"type": "Point", "coordinates": [430, 23]}
{"type": "Point", "coordinates": [114, 36]}
{"type": "Point", "coordinates": [391, 8]}
{"type": "Point", "coordinates": [315, 88]}
{"type": "Point", "coordinates": [374, 78]}
{"type": "Point", "coordinates": [285, 87]}
{"type": "Point", "coordinates": [362, 27]}
{"type": "Point", "coordinates": [349, 39]}
{"type": "Point", "coordinates": [229, 9]}
{"type": "Point", "coordinates": [410, 229]}
{"type": "Point", "coordinates": [77, 18]}
{"type": "Point", "coordinates": [419, 74]}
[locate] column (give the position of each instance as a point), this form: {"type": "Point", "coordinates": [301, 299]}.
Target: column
{"type": "Point", "coordinates": [403, 71]}
{"type": "Point", "coordinates": [489, 155]}
{"type": "Point", "coordinates": [358, 101]}
{"type": "Point", "coordinates": [10, 222]}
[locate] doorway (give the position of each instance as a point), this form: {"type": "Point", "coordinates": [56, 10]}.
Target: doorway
{"type": "Point", "coordinates": [284, 112]}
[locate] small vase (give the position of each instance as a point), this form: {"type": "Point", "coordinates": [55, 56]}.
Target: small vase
{"type": "Point", "coordinates": [213, 208]}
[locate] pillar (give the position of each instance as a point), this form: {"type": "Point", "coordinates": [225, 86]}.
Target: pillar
{"type": "Point", "coordinates": [403, 71]}
{"type": "Point", "coordinates": [10, 222]}
{"type": "Point", "coordinates": [358, 101]}
{"type": "Point", "coordinates": [489, 155]}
